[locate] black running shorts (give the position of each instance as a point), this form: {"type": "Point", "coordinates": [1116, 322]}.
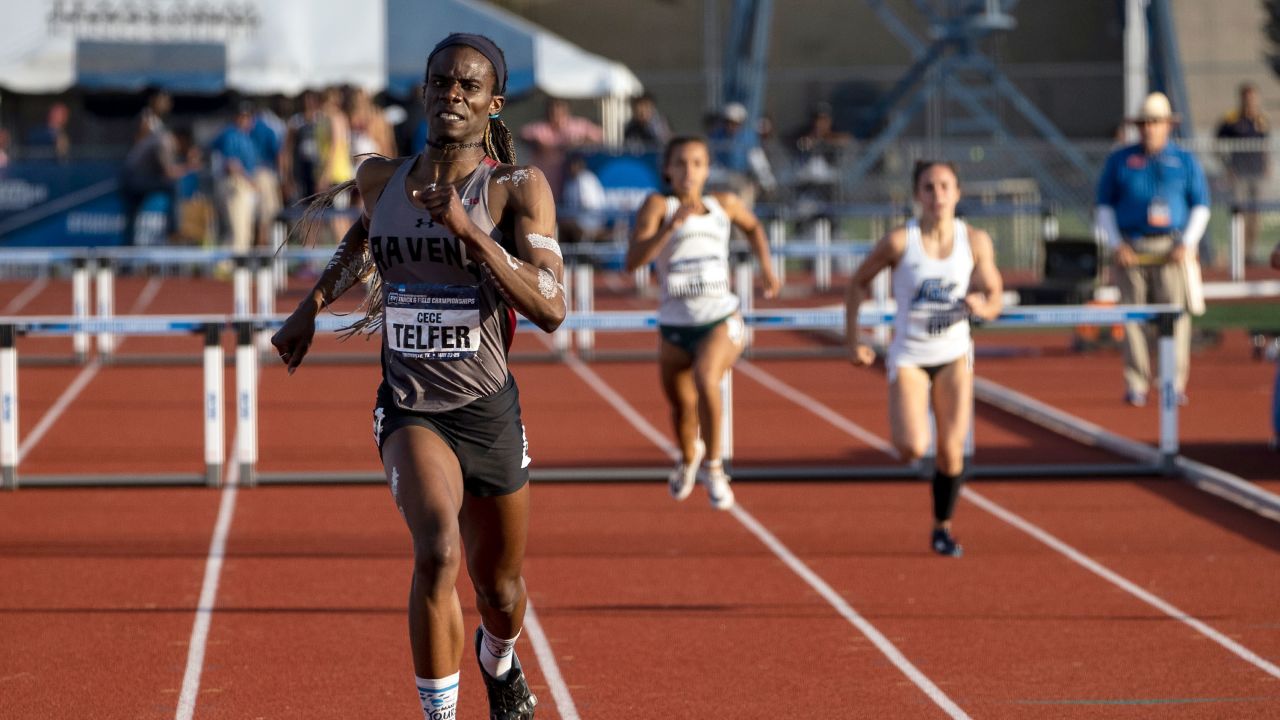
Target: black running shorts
{"type": "Point", "coordinates": [486, 435]}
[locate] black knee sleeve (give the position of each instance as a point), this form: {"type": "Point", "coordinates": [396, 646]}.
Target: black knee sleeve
{"type": "Point", "coordinates": [946, 488]}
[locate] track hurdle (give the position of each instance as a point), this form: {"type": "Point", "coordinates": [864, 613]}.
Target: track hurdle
{"type": "Point", "coordinates": [209, 326]}
{"type": "Point", "coordinates": [1160, 460]}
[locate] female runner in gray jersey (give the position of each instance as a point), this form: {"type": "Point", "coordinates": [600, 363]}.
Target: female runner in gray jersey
{"type": "Point", "coordinates": [457, 240]}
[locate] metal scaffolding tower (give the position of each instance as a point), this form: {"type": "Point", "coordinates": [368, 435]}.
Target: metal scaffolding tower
{"type": "Point", "coordinates": [960, 85]}
{"type": "Point", "coordinates": [952, 70]}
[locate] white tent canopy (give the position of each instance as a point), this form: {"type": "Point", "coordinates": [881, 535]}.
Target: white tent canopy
{"type": "Point", "coordinates": [278, 46]}
{"type": "Point", "coordinates": [254, 47]}
{"type": "Point", "coordinates": [536, 58]}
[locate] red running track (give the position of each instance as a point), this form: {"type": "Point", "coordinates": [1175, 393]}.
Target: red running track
{"type": "Point", "coordinates": [651, 609]}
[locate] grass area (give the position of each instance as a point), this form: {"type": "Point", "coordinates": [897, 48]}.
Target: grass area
{"type": "Point", "coordinates": [1247, 314]}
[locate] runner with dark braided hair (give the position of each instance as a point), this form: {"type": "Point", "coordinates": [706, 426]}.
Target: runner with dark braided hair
{"type": "Point", "coordinates": [454, 242]}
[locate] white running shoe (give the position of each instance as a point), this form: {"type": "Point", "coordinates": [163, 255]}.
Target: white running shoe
{"type": "Point", "coordinates": [681, 480]}
{"type": "Point", "coordinates": [717, 483]}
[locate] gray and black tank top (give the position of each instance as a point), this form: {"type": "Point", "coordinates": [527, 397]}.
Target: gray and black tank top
{"type": "Point", "coordinates": [446, 329]}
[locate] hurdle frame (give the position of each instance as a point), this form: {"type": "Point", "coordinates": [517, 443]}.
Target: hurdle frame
{"type": "Point", "coordinates": [209, 326]}
{"type": "Point", "coordinates": [1161, 461]}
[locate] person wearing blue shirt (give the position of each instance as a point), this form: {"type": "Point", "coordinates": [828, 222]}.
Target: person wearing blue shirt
{"type": "Point", "coordinates": [235, 161]}
{"type": "Point", "coordinates": [1152, 210]}
{"type": "Point", "coordinates": [267, 135]}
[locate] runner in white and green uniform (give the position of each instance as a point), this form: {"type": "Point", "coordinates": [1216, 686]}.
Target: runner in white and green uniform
{"type": "Point", "coordinates": [687, 234]}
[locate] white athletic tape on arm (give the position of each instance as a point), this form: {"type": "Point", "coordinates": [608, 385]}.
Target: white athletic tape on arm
{"type": "Point", "coordinates": [547, 284]}
{"type": "Point", "coordinates": [542, 242]}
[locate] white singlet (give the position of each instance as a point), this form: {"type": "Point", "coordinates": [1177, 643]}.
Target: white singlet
{"type": "Point", "coordinates": [931, 326]}
{"type": "Point", "coordinates": [693, 268]}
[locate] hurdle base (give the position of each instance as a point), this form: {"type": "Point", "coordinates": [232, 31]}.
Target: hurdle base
{"type": "Point", "coordinates": [213, 475]}
{"type": "Point", "coordinates": [88, 480]}
{"type": "Point", "coordinates": [248, 475]}
{"type": "Point", "coordinates": [8, 478]}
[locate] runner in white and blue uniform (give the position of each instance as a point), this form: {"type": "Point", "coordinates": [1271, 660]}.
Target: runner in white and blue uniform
{"type": "Point", "coordinates": [686, 233]}
{"type": "Point", "coordinates": [944, 273]}
{"type": "Point", "coordinates": [458, 239]}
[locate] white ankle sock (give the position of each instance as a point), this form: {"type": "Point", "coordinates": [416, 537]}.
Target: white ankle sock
{"type": "Point", "coordinates": [439, 697]}
{"type": "Point", "coordinates": [497, 654]}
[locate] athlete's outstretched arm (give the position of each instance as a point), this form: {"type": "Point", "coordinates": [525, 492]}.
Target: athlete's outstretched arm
{"type": "Point", "coordinates": [651, 232]}
{"type": "Point", "coordinates": [294, 337]}
{"type": "Point", "coordinates": [532, 283]}
{"type": "Point", "coordinates": [747, 222]}
{"type": "Point", "coordinates": [343, 272]}
{"type": "Point", "coordinates": [986, 288]}
{"type": "Point", "coordinates": [885, 254]}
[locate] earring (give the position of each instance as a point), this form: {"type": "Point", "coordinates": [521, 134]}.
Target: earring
{"type": "Point", "coordinates": [494, 116]}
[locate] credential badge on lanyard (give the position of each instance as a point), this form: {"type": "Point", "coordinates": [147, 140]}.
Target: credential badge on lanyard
{"type": "Point", "coordinates": [1158, 214]}
{"type": "Point", "coordinates": [433, 322]}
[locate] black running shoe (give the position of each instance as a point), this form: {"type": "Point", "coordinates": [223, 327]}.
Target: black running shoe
{"type": "Point", "coordinates": [509, 699]}
{"type": "Point", "coordinates": [944, 544]}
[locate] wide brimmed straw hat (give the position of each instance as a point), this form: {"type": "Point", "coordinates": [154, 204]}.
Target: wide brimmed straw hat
{"type": "Point", "coordinates": [1155, 108]}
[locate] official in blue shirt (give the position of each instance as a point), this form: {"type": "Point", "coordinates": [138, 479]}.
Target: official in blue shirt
{"type": "Point", "coordinates": [1153, 208]}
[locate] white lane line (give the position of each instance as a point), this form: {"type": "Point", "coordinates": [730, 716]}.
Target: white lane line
{"type": "Point", "coordinates": [59, 406]}
{"type": "Point", "coordinates": [28, 294]}
{"type": "Point", "coordinates": [149, 292]}
{"type": "Point", "coordinates": [602, 388]}
{"type": "Point", "coordinates": [1121, 582]}
{"type": "Point", "coordinates": [817, 408]}
{"type": "Point", "coordinates": [1116, 579]}
{"type": "Point", "coordinates": [550, 668]}
{"type": "Point", "coordinates": [81, 380]}
{"type": "Point", "coordinates": [208, 593]}
{"type": "Point", "coordinates": [887, 648]}
{"type": "Point", "coordinates": [788, 558]}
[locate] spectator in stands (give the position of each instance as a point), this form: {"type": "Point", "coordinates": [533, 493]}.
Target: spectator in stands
{"type": "Point", "coordinates": [235, 162]}
{"type": "Point", "coordinates": [334, 141]}
{"type": "Point", "coordinates": [151, 166]}
{"type": "Point", "coordinates": [370, 132]}
{"type": "Point", "coordinates": [745, 171]}
{"type": "Point", "coordinates": [196, 215]}
{"type": "Point", "coordinates": [267, 134]}
{"type": "Point", "coordinates": [1247, 168]}
{"type": "Point", "coordinates": [1152, 210]}
{"type": "Point", "coordinates": [551, 139]}
{"type": "Point", "coordinates": [646, 129]}
{"type": "Point", "coordinates": [51, 140]}
{"type": "Point", "coordinates": [301, 154]}
{"type": "Point", "coordinates": [4, 148]}
{"type": "Point", "coordinates": [819, 148]}
{"type": "Point", "coordinates": [582, 203]}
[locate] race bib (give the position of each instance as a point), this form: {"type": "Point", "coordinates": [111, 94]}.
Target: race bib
{"type": "Point", "coordinates": [433, 322]}
{"type": "Point", "coordinates": [933, 320]}
{"type": "Point", "coordinates": [702, 277]}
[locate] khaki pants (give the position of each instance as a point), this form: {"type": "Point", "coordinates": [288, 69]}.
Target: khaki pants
{"type": "Point", "coordinates": [1154, 282]}
{"type": "Point", "coordinates": [239, 200]}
